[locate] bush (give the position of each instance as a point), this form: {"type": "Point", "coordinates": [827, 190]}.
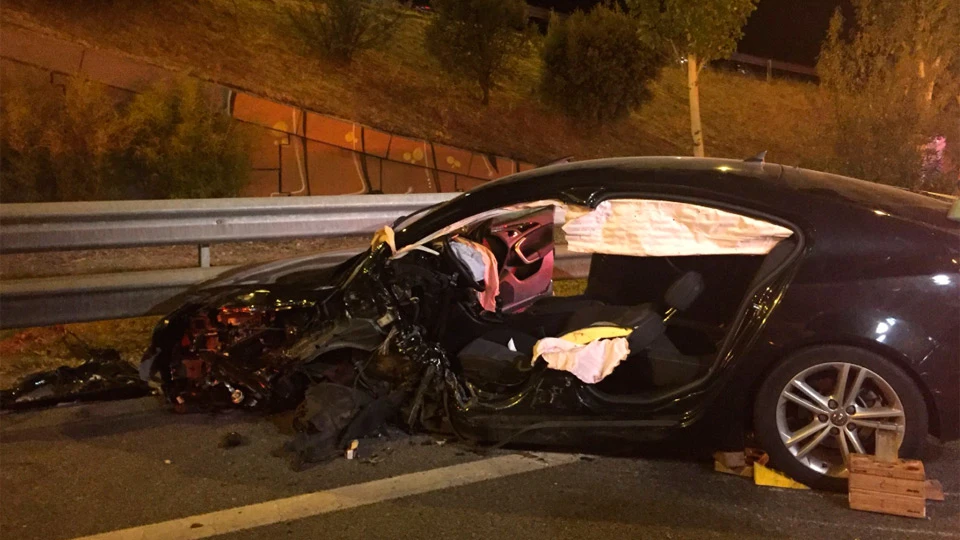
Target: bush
{"type": "Point", "coordinates": [885, 76]}
{"type": "Point", "coordinates": [76, 143]}
{"type": "Point", "coordinates": [182, 148]}
{"type": "Point", "coordinates": [338, 29]}
{"type": "Point", "coordinates": [60, 143]}
{"type": "Point", "coordinates": [597, 66]}
{"type": "Point", "coordinates": [478, 39]}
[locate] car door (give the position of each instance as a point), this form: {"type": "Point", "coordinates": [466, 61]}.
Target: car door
{"type": "Point", "coordinates": [523, 244]}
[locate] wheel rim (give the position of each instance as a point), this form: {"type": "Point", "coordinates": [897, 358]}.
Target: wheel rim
{"type": "Point", "coordinates": [828, 411]}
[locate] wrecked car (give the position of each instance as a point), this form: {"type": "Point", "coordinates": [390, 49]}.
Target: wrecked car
{"type": "Point", "coordinates": [723, 296]}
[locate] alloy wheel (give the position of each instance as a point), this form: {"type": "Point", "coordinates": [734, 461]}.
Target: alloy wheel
{"type": "Point", "coordinates": [828, 411]}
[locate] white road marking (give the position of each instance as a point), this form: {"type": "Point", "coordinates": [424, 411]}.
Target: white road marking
{"type": "Point", "coordinates": [342, 498]}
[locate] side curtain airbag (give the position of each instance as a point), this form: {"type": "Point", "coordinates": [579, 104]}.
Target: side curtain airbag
{"type": "Point", "coordinates": [667, 228]}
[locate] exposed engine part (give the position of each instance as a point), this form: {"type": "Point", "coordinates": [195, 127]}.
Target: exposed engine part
{"type": "Point", "coordinates": [203, 371]}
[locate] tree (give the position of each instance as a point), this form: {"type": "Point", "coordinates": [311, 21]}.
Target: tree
{"type": "Point", "coordinates": [892, 80]}
{"type": "Point", "coordinates": [477, 38]}
{"type": "Point", "coordinates": [697, 32]}
{"type": "Point", "coordinates": [338, 29]}
{"type": "Point", "coordinates": [597, 65]}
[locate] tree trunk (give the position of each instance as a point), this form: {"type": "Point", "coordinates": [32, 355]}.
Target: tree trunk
{"type": "Point", "coordinates": [693, 84]}
{"type": "Point", "coordinates": [485, 89]}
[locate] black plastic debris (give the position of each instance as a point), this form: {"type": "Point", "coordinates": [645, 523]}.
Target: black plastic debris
{"type": "Point", "coordinates": [105, 376]}
{"type": "Point", "coordinates": [330, 417]}
{"type": "Point", "coordinates": [232, 440]}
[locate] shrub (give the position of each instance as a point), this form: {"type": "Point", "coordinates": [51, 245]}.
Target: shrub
{"type": "Point", "coordinates": [182, 147]}
{"type": "Point", "coordinates": [477, 39]}
{"type": "Point", "coordinates": [76, 142]}
{"type": "Point", "coordinates": [338, 29]}
{"type": "Point", "coordinates": [597, 66]}
{"type": "Point", "coordinates": [887, 79]}
{"type": "Point", "coordinates": [60, 143]}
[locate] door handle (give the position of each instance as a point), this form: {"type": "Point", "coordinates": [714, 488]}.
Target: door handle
{"type": "Point", "coordinates": [526, 260]}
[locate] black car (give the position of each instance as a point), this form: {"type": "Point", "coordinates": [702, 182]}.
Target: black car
{"type": "Point", "coordinates": [730, 296]}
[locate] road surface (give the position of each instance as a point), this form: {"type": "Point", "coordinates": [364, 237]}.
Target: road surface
{"type": "Point", "coordinates": [132, 470]}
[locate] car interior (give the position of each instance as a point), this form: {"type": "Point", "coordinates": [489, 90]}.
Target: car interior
{"type": "Point", "coordinates": [678, 309]}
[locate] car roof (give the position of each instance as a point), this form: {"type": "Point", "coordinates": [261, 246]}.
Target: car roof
{"type": "Point", "coordinates": [797, 195]}
{"type": "Point", "coordinates": [765, 183]}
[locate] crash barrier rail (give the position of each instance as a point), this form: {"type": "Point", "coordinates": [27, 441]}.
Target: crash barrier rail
{"type": "Point", "coordinates": [38, 227]}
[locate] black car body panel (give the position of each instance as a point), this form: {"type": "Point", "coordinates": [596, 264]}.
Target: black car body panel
{"type": "Point", "coordinates": [868, 265]}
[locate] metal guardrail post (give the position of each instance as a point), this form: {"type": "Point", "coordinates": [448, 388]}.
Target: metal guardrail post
{"type": "Point", "coordinates": [203, 255]}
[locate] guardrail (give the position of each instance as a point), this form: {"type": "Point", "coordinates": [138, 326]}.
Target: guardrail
{"type": "Point", "coordinates": [26, 228]}
{"type": "Point", "coordinates": [770, 65]}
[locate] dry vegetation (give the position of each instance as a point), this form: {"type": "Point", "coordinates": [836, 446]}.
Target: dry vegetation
{"type": "Point", "coordinates": [247, 44]}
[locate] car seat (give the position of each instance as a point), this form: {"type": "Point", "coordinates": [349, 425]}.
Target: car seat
{"type": "Point", "coordinates": [503, 354]}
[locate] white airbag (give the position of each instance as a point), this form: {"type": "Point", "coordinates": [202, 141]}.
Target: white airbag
{"type": "Point", "coordinates": [667, 228]}
{"type": "Point", "coordinates": [590, 362]}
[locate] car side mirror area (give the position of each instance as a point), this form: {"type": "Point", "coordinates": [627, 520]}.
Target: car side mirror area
{"type": "Point", "coordinates": [684, 291]}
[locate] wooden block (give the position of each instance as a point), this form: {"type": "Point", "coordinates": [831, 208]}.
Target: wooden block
{"type": "Point", "coordinates": [934, 490]}
{"type": "Point", "coordinates": [907, 469]}
{"type": "Point", "coordinates": [886, 503]}
{"type": "Point", "coordinates": [731, 460]}
{"type": "Point", "coordinates": [746, 470]}
{"type": "Point", "coordinates": [755, 455]}
{"type": "Point", "coordinates": [888, 447]}
{"type": "Point", "coordinates": [883, 484]}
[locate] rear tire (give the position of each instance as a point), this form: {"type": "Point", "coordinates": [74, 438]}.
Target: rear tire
{"type": "Point", "coordinates": [807, 423]}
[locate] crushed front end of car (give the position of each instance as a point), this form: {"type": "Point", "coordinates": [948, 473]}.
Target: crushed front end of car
{"type": "Point", "coordinates": [334, 350]}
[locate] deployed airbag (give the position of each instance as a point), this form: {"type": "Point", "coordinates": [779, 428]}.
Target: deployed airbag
{"type": "Point", "coordinates": [589, 361]}
{"type": "Point", "coordinates": [482, 264]}
{"type": "Point", "coordinates": [655, 228]}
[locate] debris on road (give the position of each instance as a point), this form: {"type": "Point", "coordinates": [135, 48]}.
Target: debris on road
{"type": "Point", "coordinates": [352, 449]}
{"type": "Point", "coordinates": [105, 376]}
{"type": "Point", "coordinates": [232, 440]}
{"type": "Point", "coordinates": [332, 418]}
{"type": "Point", "coordinates": [372, 460]}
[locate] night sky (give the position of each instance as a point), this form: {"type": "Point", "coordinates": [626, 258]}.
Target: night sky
{"type": "Point", "coordinates": [789, 30]}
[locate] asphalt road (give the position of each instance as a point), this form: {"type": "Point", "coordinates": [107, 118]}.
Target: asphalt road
{"type": "Point", "coordinates": [81, 470]}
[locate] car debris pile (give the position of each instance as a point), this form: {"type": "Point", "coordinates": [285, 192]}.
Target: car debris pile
{"type": "Point", "coordinates": [349, 360]}
{"type": "Point", "coordinates": [331, 418]}
{"type": "Point", "coordinates": [103, 376]}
